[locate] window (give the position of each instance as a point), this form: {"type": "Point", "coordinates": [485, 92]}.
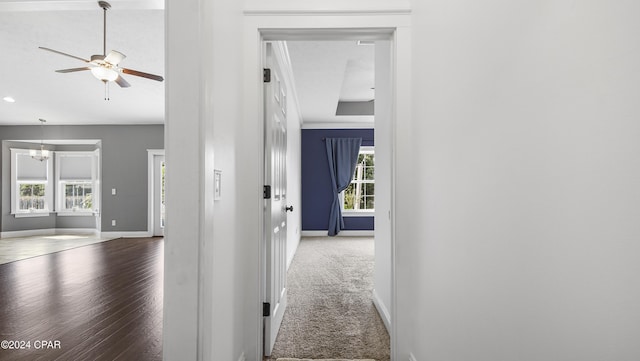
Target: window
{"type": "Point", "coordinates": [74, 188]}
{"type": "Point", "coordinates": [32, 197]}
{"type": "Point", "coordinates": [76, 178]}
{"type": "Point", "coordinates": [359, 195]}
{"type": "Point", "coordinates": [31, 190]}
{"type": "Point", "coordinates": [77, 195]}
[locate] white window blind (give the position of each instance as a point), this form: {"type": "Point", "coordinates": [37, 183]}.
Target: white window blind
{"type": "Point", "coordinates": [29, 169]}
{"type": "Point", "coordinates": [75, 167]}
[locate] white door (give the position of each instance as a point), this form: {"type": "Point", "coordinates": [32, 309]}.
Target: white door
{"type": "Point", "coordinates": [275, 232]}
{"type": "Point", "coordinates": [158, 195]}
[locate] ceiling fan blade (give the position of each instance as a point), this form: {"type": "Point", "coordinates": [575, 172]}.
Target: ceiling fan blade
{"type": "Point", "coordinates": [114, 57]}
{"type": "Point", "coordinates": [65, 54]}
{"type": "Point", "coordinates": [72, 70]}
{"type": "Point", "coordinates": [144, 75]}
{"type": "Point", "coordinates": [123, 83]}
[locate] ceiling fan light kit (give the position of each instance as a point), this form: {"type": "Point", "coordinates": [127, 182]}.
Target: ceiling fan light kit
{"type": "Point", "coordinates": [105, 66]}
{"type": "Point", "coordinates": [104, 74]}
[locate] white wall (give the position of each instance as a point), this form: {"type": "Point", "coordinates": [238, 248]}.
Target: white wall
{"type": "Point", "coordinates": [383, 148]}
{"type": "Point", "coordinates": [525, 148]}
{"type": "Point", "coordinates": [182, 154]}
{"type": "Point", "coordinates": [205, 247]}
{"type": "Point", "coordinates": [224, 108]}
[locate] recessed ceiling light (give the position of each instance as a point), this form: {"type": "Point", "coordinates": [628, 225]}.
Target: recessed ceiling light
{"type": "Point", "coordinates": [9, 99]}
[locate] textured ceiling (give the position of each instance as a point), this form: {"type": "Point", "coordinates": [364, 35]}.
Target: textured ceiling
{"type": "Point", "coordinates": [28, 74]}
{"type": "Point", "coordinates": [324, 71]}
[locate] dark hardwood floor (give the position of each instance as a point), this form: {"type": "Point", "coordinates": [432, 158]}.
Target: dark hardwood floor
{"type": "Point", "coordinates": [98, 302]}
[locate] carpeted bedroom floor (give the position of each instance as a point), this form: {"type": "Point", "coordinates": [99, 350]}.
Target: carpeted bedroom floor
{"type": "Point", "coordinates": [330, 313]}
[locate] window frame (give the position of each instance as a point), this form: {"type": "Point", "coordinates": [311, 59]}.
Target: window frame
{"type": "Point", "coordinates": [60, 194]}
{"type": "Point", "coordinates": [15, 186]}
{"type": "Point", "coordinates": [365, 149]}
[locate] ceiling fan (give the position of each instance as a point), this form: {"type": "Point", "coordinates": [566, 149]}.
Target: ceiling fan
{"type": "Point", "coordinates": [105, 67]}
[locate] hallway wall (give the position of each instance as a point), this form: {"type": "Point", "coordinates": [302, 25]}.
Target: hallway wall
{"type": "Point", "coordinates": [516, 181]}
{"type": "Point", "coordinates": [525, 194]}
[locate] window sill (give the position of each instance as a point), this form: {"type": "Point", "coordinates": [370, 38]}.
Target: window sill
{"type": "Point", "coordinates": [76, 214]}
{"type": "Point", "coordinates": [32, 214]}
{"type": "Point", "coordinates": [370, 213]}
{"type": "Point", "coordinates": [59, 214]}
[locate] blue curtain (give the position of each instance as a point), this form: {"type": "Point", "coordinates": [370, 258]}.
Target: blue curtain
{"type": "Point", "coordinates": [342, 154]}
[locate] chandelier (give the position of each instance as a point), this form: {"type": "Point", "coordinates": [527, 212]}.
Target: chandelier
{"type": "Point", "coordinates": [40, 154]}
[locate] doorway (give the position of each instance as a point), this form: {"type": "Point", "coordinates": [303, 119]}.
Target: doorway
{"type": "Point", "coordinates": [382, 294]}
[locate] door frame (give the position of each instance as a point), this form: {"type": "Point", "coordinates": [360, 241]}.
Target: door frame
{"type": "Point", "coordinates": [151, 171]}
{"type": "Point", "coordinates": [264, 26]}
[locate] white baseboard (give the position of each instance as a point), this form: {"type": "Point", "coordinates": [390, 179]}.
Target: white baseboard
{"type": "Point", "coordinates": [48, 232]}
{"type": "Point", "coordinates": [382, 310]}
{"type": "Point", "coordinates": [136, 234]}
{"type": "Point", "coordinates": [342, 233]}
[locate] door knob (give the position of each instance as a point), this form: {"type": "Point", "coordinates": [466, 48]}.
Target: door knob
{"type": "Point", "coordinates": [290, 209]}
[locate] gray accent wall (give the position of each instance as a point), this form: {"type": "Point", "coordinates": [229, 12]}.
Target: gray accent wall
{"type": "Point", "coordinates": [123, 151]}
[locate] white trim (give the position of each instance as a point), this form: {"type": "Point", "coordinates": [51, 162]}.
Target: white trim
{"type": "Point", "coordinates": [401, 86]}
{"type": "Point", "coordinates": [369, 124]}
{"type": "Point", "coordinates": [382, 310]}
{"type": "Point", "coordinates": [32, 214]}
{"type": "Point", "coordinates": [135, 234]}
{"type": "Point", "coordinates": [58, 141]}
{"type": "Point", "coordinates": [59, 195]}
{"type": "Point", "coordinates": [47, 232]}
{"type": "Point", "coordinates": [364, 149]}
{"type": "Point", "coordinates": [76, 214]}
{"type": "Point", "coordinates": [345, 233]}
{"type": "Point", "coordinates": [358, 213]}
{"type": "Point", "coordinates": [329, 7]}
{"type": "Point", "coordinates": [151, 154]}
{"type": "Point", "coordinates": [328, 12]}
{"type": "Point", "coordinates": [339, 26]}
{"type": "Point", "coordinates": [49, 188]}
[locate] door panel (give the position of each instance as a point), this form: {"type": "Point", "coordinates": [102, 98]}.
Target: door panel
{"type": "Point", "coordinates": [275, 93]}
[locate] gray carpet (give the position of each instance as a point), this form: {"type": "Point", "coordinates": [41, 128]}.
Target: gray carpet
{"type": "Point", "coordinates": [330, 314]}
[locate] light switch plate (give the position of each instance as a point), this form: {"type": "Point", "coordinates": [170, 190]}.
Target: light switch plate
{"type": "Point", "coordinates": [217, 184]}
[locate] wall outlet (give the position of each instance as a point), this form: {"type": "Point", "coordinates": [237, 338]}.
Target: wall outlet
{"type": "Point", "coordinates": [113, 191]}
{"type": "Point", "coordinates": [113, 222]}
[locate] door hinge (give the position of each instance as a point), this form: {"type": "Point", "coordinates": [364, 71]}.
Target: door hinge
{"type": "Point", "coordinates": [266, 75]}
{"type": "Point", "coordinates": [266, 309]}
{"type": "Point", "coordinates": [266, 192]}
